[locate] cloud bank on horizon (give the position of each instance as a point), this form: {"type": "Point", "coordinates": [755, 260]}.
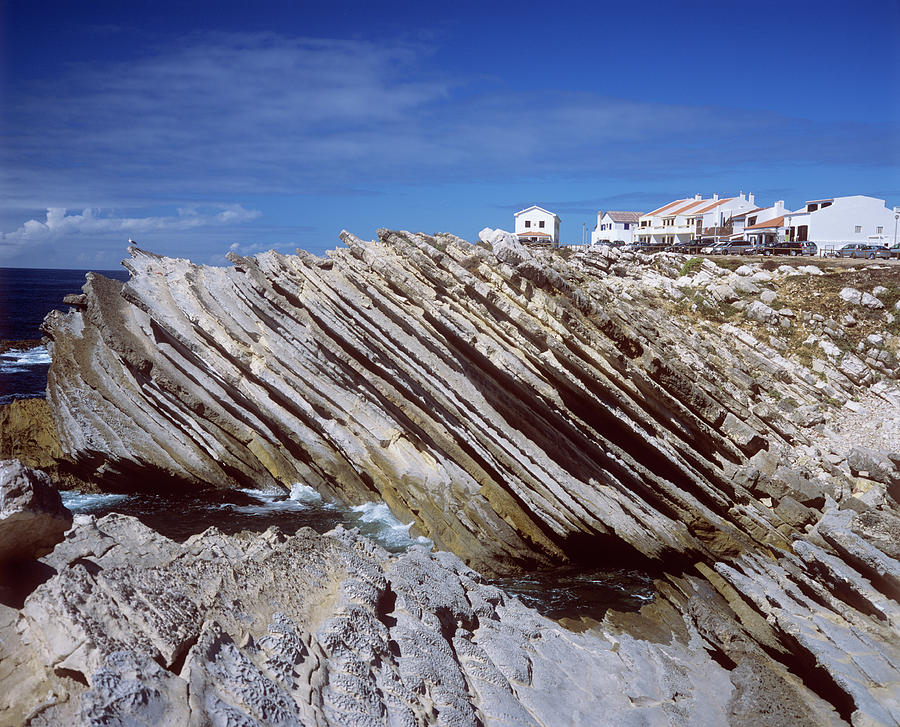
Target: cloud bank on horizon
{"type": "Point", "coordinates": [213, 139]}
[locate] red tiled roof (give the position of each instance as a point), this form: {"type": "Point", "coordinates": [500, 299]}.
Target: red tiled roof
{"type": "Point", "coordinates": [713, 205]}
{"type": "Point", "coordinates": [530, 233]}
{"type": "Point", "coordinates": [777, 222]}
{"type": "Point", "coordinates": [667, 206]}
{"type": "Point", "coordinates": [682, 210]}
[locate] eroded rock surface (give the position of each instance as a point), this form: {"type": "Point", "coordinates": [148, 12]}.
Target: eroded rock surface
{"type": "Point", "coordinates": [32, 516]}
{"type": "Point", "coordinates": [524, 409]}
{"type": "Point", "coordinates": [308, 629]}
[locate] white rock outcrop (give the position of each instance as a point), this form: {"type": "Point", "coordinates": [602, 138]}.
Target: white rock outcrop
{"type": "Point", "coordinates": [32, 516]}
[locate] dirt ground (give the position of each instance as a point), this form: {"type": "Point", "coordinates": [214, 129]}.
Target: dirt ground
{"type": "Point", "coordinates": [821, 294]}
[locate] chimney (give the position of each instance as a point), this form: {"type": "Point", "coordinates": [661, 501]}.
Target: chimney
{"type": "Point", "coordinates": [716, 197]}
{"type": "Point", "coordinates": [779, 208]}
{"type": "Point", "coordinates": [741, 196]}
{"type": "Point", "coordinates": [698, 197]}
{"type": "Point", "coordinates": [750, 198]}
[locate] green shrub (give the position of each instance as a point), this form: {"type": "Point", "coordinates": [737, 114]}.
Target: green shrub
{"type": "Point", "coordinates": [691, 265]}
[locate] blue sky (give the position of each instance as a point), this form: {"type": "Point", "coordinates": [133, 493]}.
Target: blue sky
{"type": "Point", "coordinates": [197, 128]}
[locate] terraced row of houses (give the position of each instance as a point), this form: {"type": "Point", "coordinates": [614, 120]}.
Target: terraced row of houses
{"type": "Point", "coordinates": [826, 222]}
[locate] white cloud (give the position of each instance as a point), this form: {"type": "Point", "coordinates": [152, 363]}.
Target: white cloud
{"type": "Point", "coordinates": [58, 223]}
{"type": "Point", "coordinates": [226, 115]}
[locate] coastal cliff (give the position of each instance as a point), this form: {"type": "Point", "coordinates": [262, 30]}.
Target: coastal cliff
{"type": "Point", "coordinates": [529, 408]}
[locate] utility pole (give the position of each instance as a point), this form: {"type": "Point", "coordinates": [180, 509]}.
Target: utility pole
{"type": "Point", "coordinates": [584, 228]}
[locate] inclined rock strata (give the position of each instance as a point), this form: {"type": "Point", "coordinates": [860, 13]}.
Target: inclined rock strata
{"type": "Point", "coordinates": [27, 433]}
{"type": "Point", "coordinates": [522, 413]}
{"type": "Point", "coordinates": [329, 629]}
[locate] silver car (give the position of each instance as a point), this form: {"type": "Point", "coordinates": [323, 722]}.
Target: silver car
{"type": "Point", "coordinates": [863, 250]}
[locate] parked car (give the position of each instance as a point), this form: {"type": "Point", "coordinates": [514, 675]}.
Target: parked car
{"type": "Point", "coordinates": [784, 247]}
{"type": "Point", "coordinates": [755, 248]}
{"type": "Point", "coordinates": [734, 247]}
{"type": "Point", "coordinates": [714, 249]}
{"type": "Point", "coordinates": [648, 247]}
{"type": "Point", "coordinates": [894, 250]}
{"type": "Point", "coordinates": [809, 248]}
{"type": "Point", "coordinates": [691, 247]}
{"type": "Point", "coordinates": [863, 250]}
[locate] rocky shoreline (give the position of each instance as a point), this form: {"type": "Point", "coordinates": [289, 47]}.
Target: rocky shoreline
{"type": "Point", "coordinates": [525, 408]}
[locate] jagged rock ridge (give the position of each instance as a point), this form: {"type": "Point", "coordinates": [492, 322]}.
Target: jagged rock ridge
{"type": "Point", "coordinates": [479, 399]}
{"type": "Point", "coordinates": [524, 410]}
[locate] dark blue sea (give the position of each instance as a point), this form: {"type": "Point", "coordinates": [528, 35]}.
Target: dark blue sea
{"type": "Point", "coordinates": [26, 296]}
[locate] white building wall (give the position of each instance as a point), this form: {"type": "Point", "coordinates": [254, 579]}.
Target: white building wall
{"type": "Point", "coordinates": [536, 215]}
{"type": "Point", "coordinates": [681, 230]}
{"type": "Point", "coordinates": [722, 213]}
{"type": "Point", "coordinates": [848, 219]}
{"type": "Point", "coordinates": [614, 230]}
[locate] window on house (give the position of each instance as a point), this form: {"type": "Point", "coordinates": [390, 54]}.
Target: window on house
{"type": "Point", "coordinates": [527, 223]}
{"type": "Point", "coordinates": [541, 224]}
{"type": "Point", "coordinates": [751, 221]}
{"type": "Point", "coordinates": [812, 208]}
{"type": "Point", "coordinates": [857, 228]}
{"type": "Point", "coordinates": [625, 226]}
{"type": "Point", "coordinates": [879, 230]}
{"type": "Point", "coordinates": [826, 204]}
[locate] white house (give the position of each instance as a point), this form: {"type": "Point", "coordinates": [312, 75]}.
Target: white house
{"type": "Point", "coordinates": [692, 218]}
{"type": "Point", "coordinates": [838, 220]}
{"type": "Point", "coordinates": [615, 225]}
{"type": "Point", "coordinates": [766, 224]}
{"type": "Point", "coordinates": [535, 224]}
{"type": "Point", "coordinates": [750, 217]}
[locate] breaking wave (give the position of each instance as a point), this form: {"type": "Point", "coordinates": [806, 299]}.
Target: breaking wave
{"type": "Point", "coordinates": [17, 361]}
{"type": "Point", "coordinates": [91, 503]}
{"type": "Point", "coordinates": [375, 520]}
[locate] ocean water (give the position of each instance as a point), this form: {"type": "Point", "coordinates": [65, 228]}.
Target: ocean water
{"type": "Point", "coordinates": [232, 511]}
{"type": "Point", "coordinates": [26, 296]}
{"type": "Point", "coordinates": [561, 593]}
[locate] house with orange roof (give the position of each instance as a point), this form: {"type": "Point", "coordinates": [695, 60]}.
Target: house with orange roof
{"type": "Point", "coordinates": [535, 224]}
{"type": "Point", "coordinates": [761, 225]}
{"type": "Point", "coordinates": [692, 218]}
{"type": "Point", "coordinates": [766, 225]}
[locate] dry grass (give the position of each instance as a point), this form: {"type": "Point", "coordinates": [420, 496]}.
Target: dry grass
{"type": "Point", "coordinates": [820, 294]}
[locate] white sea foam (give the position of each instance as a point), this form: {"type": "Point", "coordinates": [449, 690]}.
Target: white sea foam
{"type": "Point", "coordinates": [305, 493]}
{"type": "Point", "coordinates": [375, 520]}
{"type": "Point", "coordinates": [88, 502]}
{"type": "Point", "coordinates": [302, 497]}
{"type": "Point", "coordinates": [15, 361]}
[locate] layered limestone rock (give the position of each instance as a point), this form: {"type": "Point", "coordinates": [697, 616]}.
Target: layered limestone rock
{"type": "Point", "coordinates": [524, 409]}
{"type": "Point", "coordinates": [331, 630]}
{"type": "Point", "coordinates": [32, 516]}
{"type": "Point", "coordinates": [515, 413]}
{"type": "Point", "coordinates": [28, 434]}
